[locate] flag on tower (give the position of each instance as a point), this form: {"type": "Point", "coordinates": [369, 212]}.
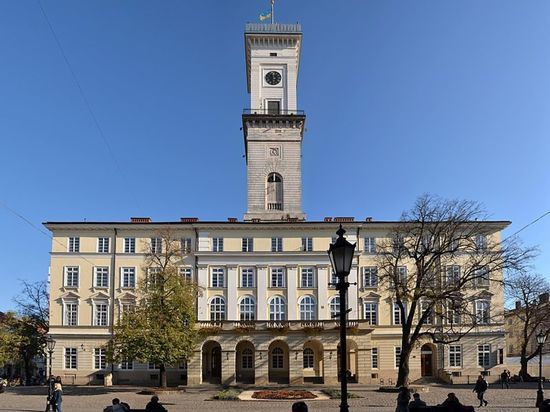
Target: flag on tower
{"type": "Point", "coordinates": [265, 16]}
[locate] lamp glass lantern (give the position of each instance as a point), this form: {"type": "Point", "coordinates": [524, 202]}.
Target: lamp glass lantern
{"type": "Point", "coordinates": [50, 344]}
{"type": "Point", "coordinates": [341, 254]}
{"type": "Point", "coordinates": [541, 338]}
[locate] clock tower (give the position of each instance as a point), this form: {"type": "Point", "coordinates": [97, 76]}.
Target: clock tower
{"type": "Point", "coordinates": [273, 127]}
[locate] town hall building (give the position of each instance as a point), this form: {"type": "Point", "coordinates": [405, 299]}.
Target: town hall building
{"type": "Point", "coordinates": [266, 308]}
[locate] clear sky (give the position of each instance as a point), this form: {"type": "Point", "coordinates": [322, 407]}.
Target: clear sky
{"type": "Point", "coordinates": [402, 98]}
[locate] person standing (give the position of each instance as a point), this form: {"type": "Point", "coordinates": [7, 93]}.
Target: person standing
{"type": "Point", "coordinates": [57, 397]}
{"type": "Point", "coordinates": [154, 405]}
{"type": "Point", "coordinates": [480, 388]}
{"type": "Point", "coordinates": [505, 379]}
{"type": "Point", "coordinates": [403, 398]}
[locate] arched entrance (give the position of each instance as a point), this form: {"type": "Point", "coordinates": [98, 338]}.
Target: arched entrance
{"type": "Point", "coordinates": [313, 362]}
{"type": "Point", "coordinates": [211, 362]}
{"type": "Point", "coordinates": [427, 360]}
{"type": "Point", "coordinates": [278, 362]}
{"type": "Point", "coordinates": [351, 361]}
{"type": "Point", "coordinates": [244, 367]}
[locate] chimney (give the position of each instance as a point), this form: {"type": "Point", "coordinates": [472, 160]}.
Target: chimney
{"type": "Point", "coordinates": [328, 219]}
{"type": "Point", "coordinates": [518, 305]}
{"type": "Point", "coordinates": [189, 219]}
{"type": "Point", "coordinates": [343, 219]}
{"type": "Point", "coordinates": [368, 219]}
{"type": "Point", "coordinates": [232, 219]}
{"type": "Point", "coordinates": [543, 297]}
{"type": "Point", "coordinates": [255, 220]}
{"type": "Point", "coordinates": [140, 219]}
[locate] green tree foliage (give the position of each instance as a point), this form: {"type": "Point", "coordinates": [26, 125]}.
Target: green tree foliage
{"type": "Point", "coordinates": [161, 327]}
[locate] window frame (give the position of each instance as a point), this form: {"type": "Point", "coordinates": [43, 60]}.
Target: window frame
{"type": "Point", "coordinates": [70, 358]}
{"type": "Point", "coordinates": [217, 274]}
{"type": "Point", "coordinates": [334, 308]}
{"type": "Point", "coordinates": [485, 319]}
{"type": "Point", "coordinates": [307, 244]}
{"type": "Point", "coordinates": [309, 279]}
{"type": "Point", "coordinates": [371, 303]}
{"type": "Point", "coordinates": [129, 271]}
{"type": "Point", "coordinates": [129, 245]}
{"type": "Point", "coordinates": [100, 358]}
{"type": "Point", "coordinates": [277, 274]}
{"type": "Point", "coordinates": [66, 313]}
{"type": "Point", "coordinates": [370, 245]}
{"type": "Point", "coordinates": [484, 354]}
{"type": "Point", "coordinates": [247, 244]}
{"type": "Point", "coordinates": [396, 356]}
{"type": "Point", "coordinates": [104, 276]}
{"type": "Point", "coordinates": [308, 359]}
{"type": "Point", "coordinates": [247, 302]}
{"type": "Point", "coordinates": [102, 316]}
{"type": "Point", "coordinates": [308, 310]}
{"type": "Point", "coordinates": [374, 358]}
{"type": "Point", "coordinates": [217, 244]}
{"type": "Point", "coordinates": [276, 244]}
{"type": "Point", "coordinates": [217, 310]}
{"type": "Point", "coordinates": [73, 244]}
{"type": "Point", "coordinates": [103, 241]}
{"type": "Point", "coordinates": [371, 276]}
{"type": "Point", "coordinates": [281, 306]}
{"type": "Point", "coordinates": [249, 274]}
{"type": "Point", "coordinates": [277, 358]}
{"type": "Point", "coordinates": [455, 356]}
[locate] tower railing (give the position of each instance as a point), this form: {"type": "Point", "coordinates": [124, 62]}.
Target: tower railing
{"type": "Point", "coordinates": [278, 112]}
{"type": "Point", "coordinates": [273, 28]}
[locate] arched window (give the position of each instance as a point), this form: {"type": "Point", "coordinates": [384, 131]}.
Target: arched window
{"type": "Point", "coordinates": [277, 308]}
{"type": "Point", "coordinates": [274, 192]}
{"type": "Point", "coordinates": [217, 308]}
{"type": "Point", "coordinates": [277, 358]}
{"type": "Point", "coordinates": [307, 308]}
{"type": "Point", "coordinates": [247, 308]}
{"type": "Point", "coordinates": [309, 358]}
{"type": "Point", "coordinates": [247, 359]}
{"type": "Point", "coordinates": [335, 307]}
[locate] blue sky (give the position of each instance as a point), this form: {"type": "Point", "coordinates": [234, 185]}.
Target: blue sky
{"type": "Point", "coordinates": [402, 97]}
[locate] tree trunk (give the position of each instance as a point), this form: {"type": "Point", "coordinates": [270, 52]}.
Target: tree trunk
{"type": "Point", "coordinates": [28, 370]}
{"type": "Point", "coordinates": [163, 378]}
{"type": "Point", "coordinates": [523, 372]}
{"type": "Point", "coordinates": [403, 373]}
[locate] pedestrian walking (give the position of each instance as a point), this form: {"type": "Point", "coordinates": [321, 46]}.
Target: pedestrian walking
{"type": "Point", "coordinates": [505, 379]}
{"type": "Point", "coordinates": [480, 388]}
{"type": "Point", "coordinates": [403, 398]}
{"type": "Point", "coordinates": [57, 397]}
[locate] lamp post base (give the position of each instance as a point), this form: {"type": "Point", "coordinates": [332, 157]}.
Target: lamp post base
{"type": "Point", "coordinates": [540, 397]}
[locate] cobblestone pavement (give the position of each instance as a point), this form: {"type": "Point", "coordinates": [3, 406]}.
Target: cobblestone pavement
{"type": "Point", "coordinates": [94, 399]}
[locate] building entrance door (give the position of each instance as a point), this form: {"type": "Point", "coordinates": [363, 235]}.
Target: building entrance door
{"type": "Point", "coordinates": [426, 361]}
{"type": "Point", "coordinates": [216, 366]}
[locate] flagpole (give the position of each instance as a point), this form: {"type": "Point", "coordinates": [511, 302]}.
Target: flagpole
{"type": "Point", "coordinates": [272, 12]}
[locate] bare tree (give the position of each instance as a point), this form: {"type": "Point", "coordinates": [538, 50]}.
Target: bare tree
{"type": "Point", "coordinates": [432, 261]}
{"type": "Point", "coordinates": [531, 314]}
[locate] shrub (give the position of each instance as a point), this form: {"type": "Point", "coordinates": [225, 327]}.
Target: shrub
{"type": "Point", "coordinates": [335, 394]}
{"type": "Point", "coordinates": [227, 395]}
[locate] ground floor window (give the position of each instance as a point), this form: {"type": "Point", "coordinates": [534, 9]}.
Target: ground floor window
{"type": "Point", "coordinates": [100, 358]}
{"type": "Point", "coordinates": [277, 358]}
{"type": "Point", "coordinates": [247, 359]}
{"type": "Point", "coordinates": [455, 355]}
{"type": "Point", "coordinates": [484, 355]}
{"type": "Point", "coordinates": [70, 358]}
{"type": "Point", "coordinates": [397, 353]}
{"type": "Point", "coordinates": [309, 358]}
{"type": "Point", "coordinates": [374, 358]}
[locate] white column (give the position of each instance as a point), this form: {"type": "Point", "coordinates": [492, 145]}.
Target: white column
{"type": "Point", "coordinates": [202, 280]}
{"type": "Point", "coordinates": [352, 293]}
{"type": "Point", "coordinates": [291, 292]}
{"type": "Point", "coordinates": [232, 283]}
{"type": "Point", "coordinates": [322, 293]}
{"type": "Point", "coordinates": [204, 242]}
{"type": "Point", "coordinates": [261, 288]}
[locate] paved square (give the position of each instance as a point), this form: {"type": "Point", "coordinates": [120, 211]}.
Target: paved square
{"type": "Point", "coordinates": [94, 399]}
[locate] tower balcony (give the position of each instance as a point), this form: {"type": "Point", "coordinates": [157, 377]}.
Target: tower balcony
{"type": "Point", "coordinates": [273, 112]}
{"type": "Point", "coordinates": [273, 28]}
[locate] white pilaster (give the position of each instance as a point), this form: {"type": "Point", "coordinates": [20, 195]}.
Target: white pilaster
{"type": "Point", "coordinates": [261, 287]}
{"type": "Point", "coordinates": [322, 293]}
{"type": "Point", "coordinates": [202, 279]}
{"type": "Point", "coordinates": [291, 286]}
{"type": "Point", "coordinates": [352, 293]}
{"type": "Point", "coordinates": [232, 282]}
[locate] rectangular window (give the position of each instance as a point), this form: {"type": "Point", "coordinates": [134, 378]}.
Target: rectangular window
{"type": "Point", "coordinates": [307, 244]}
{"type": "Point", "coordinates": [402, 274]}
{"type": "Point", "coordinates": [306, 278]}
{"type": "Point", "coordinates": [370, 245]}
{"type": "Point", "coordinates": [397, 319]}
{"type": "Point", "coordinates": [484, 355]}
{"type": "Point", "coordinates": [481, 243]}
{"type": "Point", "coordinates": [156, 245]}
{"type": "Point", "coordinates": [126, 365]}
{"type": "Point", "coordinates": [101, 276]}
{"type": "Point", "coordinates": [186, 245]}
{"type": "Point", "coordinates": [452, 275]}
{"type": "Point", "coordinates": [374, 358]}
{"type": "Point", "coordinates": [455, 356]}
{"type": "Point", "coordinates": [397, 356]}
{"type": "Point", "coordinates": [277, 278]}
{"type": "Point", "coordinates": [103, 245]}
{"type": "Point", "coordinates": [74, 245]}
{"type": "Point", "coordinates": [127, 307]}
{"type": "Point", "coordinates": [152, 366]}
{"type": "Point", "coordinates": [153, 276]}
{"type": "Point", "coordinates": [129, 245]}
{"type": "Point", "coordinates": [70, 358]}
{"type": "Point", "coordinates": [186, 273]}
{"type": "Point", "coordinates": [247, 244]}
{"type": "Point", "coordinates": [101, 314]}
{"type": "Point", "coordinates": [370, 277]}
{"type": "Point", "coordinates": [333, 280]}
{"type": "Point", "coordinates": [371, 312]}
{"type": "Point", "coordinates": [425, 306]}
{"type": "Point", "coordinates": [128, 277]}
{"type": "Point", "coordinates": [247, 278]}
{"type": "Point", "coordinates": [218, 278]}
{"type": "Point", "coordinates": [482, 312]}
{"type": "Point", "coordinates": [71, 314]}
{"type": "Point", "coordinates": [71, 276]}
{"type": "Point", "coordinates": [100, 358]}
{"type": "Point", "coordinates": [273, 106]}
{"type": "Point", "coordinates": [217, 244]}
{"type": "Point", "coordinates": [276, 244]}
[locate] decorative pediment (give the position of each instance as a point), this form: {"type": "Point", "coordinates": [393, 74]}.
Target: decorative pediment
{"type": "Point", "coordinates": [371, 295]}
{"type": "Point", "coordinates": [127, 296]}
{"type": "Point", "coordinates": [99, 296]}
{"type": "Point", "coordinates": [71, 295]}
{"type": "Point", "coordinates": [484, 294]}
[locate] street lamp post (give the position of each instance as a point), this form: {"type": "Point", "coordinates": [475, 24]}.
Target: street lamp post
{"type": "Point", "coordinates": [50, 346]}
{"type": "Point", "coordinates": [341, 257]}
{"type": "Point", "coordinates": [541, 338]}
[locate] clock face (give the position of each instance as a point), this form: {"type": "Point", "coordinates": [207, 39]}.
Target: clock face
{"type": "Point", "coordinates": [273, 78]}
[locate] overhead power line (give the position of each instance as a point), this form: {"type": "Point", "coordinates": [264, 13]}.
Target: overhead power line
{"type": "Point", "coordinates": [529, 224]}
{"type": "Point", "coordinates": [85, 99]}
